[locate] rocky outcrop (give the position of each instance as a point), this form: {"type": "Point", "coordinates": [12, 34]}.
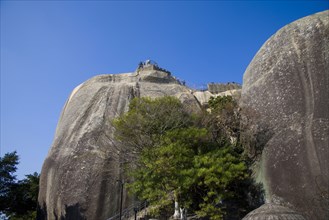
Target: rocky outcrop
{"type": "Point", "coordinates": [216, 88]}
{"type": "Point", "coordinates": [285, 93]}
{"type": "Point", "coordinates": [270, 211]}
{"type": "Point", "coordinates": [204, 96]}
{"type": "Point", "coordinates": [79, 176]}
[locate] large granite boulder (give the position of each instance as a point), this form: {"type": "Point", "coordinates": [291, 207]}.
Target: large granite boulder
{"type": "Point", "coordinates": [270, 211]}
{"type": "Point", "coordinates": [79, 176]}
{"type": "Point", "coordinates": [285, 95]}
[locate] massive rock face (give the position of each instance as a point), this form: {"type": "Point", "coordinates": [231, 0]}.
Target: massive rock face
{"type": "Point", "coordinates": [270, 211]}
{"type": "Point", "coordinates": [286, 94]}
{"type": "Point", "coordinates": [79, 176]}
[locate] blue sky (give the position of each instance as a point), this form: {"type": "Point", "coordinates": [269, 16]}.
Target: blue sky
{"type": "Point", "coordinates": [49, 47]}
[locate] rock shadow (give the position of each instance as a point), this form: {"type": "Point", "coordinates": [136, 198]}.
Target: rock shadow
{"type": "Point", "coordinates": [73, 212]}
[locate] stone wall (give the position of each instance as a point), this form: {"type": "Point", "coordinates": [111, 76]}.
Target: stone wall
{"type": "Point", "coordinates": [215, 88]}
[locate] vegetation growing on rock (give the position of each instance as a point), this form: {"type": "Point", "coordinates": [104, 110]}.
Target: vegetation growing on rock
{"type": "Point", "coordinates": [193, 158]}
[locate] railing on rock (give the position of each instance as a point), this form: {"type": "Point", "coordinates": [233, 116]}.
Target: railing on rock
{"type": "Point", "coordinates": [130, 211]}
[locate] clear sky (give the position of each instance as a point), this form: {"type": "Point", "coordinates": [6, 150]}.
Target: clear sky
{"type": "Point", "coordinates": [49, 47]}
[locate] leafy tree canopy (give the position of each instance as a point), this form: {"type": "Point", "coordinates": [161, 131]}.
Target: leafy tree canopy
{"type": "Point", "coordinates": [147, 120]}
{"type": "Point", "coordinates": [188, 158]}
{"type": "Point", "coordinates": [7, 169]}
{"type": "Point", "coordinates": [18, 199]}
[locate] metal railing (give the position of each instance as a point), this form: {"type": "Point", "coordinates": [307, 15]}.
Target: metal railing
{"type": "Point", "coordinates": [129, 211]}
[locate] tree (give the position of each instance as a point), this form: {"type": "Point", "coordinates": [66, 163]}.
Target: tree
{"type": "Point", "coordinates": [147, 120]}
{"type": "Point", "coordinates": [18, 199]}
{"type": "Point", "coordinates": [164, 172]}
{"type": "Point", "coordinates": [195, 171]}
{"type": "Point", "coordinates": [7, 169]}
{"type": "Point", "coordinates": [184, 157]}
{"type": "Point", "coordinates": [223, 119]}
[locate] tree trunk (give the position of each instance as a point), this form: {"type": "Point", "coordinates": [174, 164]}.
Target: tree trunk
{"type": "Point", "coordinates": [177, 212]}
{"type": "Point", "coordinates": [183, 214]}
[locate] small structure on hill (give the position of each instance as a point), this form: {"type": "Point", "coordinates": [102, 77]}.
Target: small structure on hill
{"type": "Point", "coordinates": [150, 65]}
{"type": "Point", "coordinates": [216, 88]}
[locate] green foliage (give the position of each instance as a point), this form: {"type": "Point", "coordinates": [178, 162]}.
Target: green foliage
{"type": "Point", "coordinates": [216, 170]}
{"type": "Point", "coordinates": [7, 169]}
{"type": "Point", "coordinates": [196, 161]}
{"type": "Point", "coordinates": [147, 120]}
{"type": "Point", "coordinates": [18, 199]}
{"type": "Point", "coordinates": [165, 171]}
{"type": "Point", "coordinates": [223, 121]}
{"type": "Point", "coordinates": [221, 102]}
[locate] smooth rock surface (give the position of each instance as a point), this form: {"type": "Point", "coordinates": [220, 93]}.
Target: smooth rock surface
{"type": "Point", "coordinates": [270, 211]}
{"type": "Point", "coordinates": [204, 96]}
{"type": "Point", "coordinates": [79, 176]}
{"type": "Point", "coordinates": [286, 94]}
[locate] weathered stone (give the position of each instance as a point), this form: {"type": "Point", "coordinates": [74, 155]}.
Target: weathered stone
{"type": "Point", "coordinates": [222, 87]}
{"type": "Point", "coordinates": [286, 93]}
{"type": "Point", "coordinates": [204, 96]}
{"type": "Point", "coordinates": [79, 176]}
{"type": "Point", "coordinates": [270, 211]}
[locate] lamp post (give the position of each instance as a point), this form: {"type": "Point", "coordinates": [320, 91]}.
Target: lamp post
{"type": "Point", "coordinates": [121, 196]}
{"type": "Point", "coordinates": [135, 210]}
